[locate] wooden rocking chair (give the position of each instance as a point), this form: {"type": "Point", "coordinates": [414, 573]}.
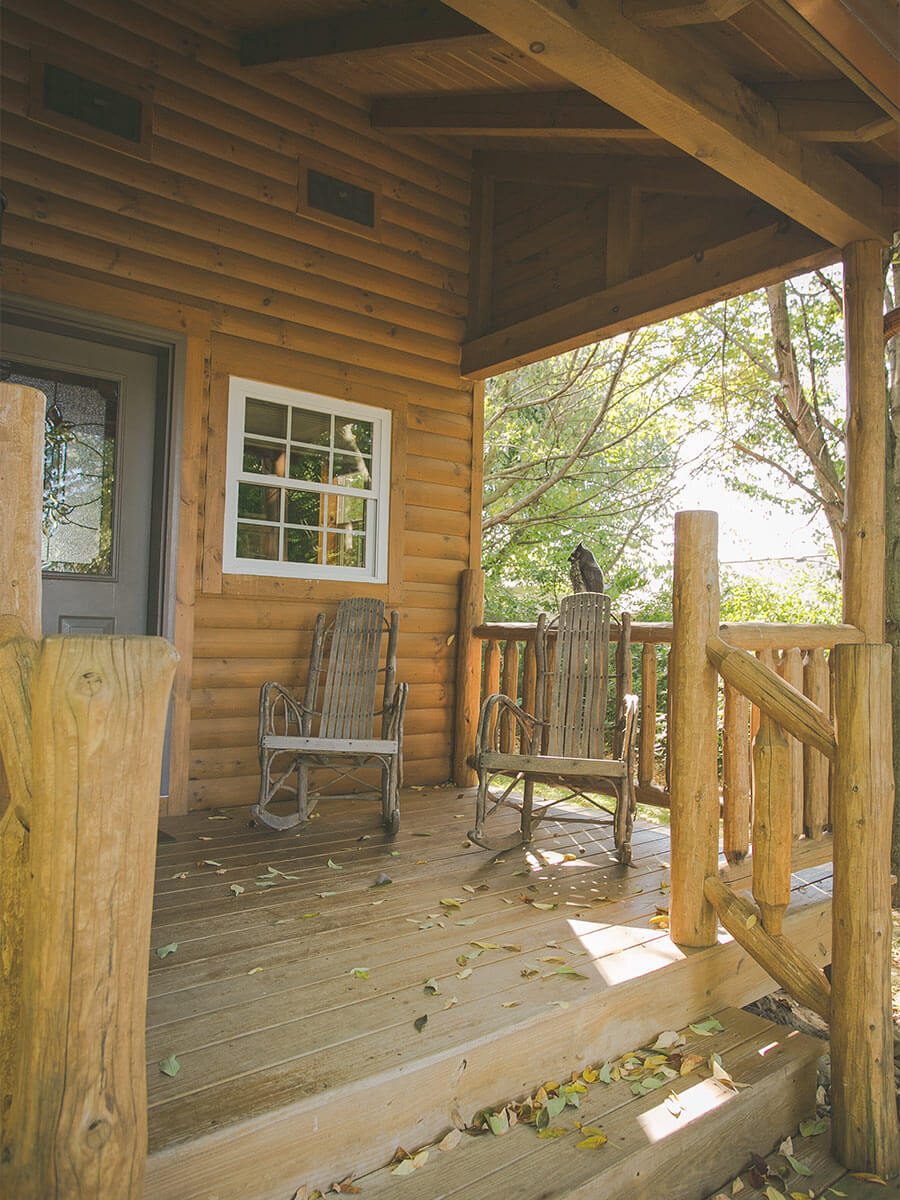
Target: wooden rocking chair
{"type": "Point", "coordinates": [294, 737]}
{"type": "Point", "coordinates": [567, 747]}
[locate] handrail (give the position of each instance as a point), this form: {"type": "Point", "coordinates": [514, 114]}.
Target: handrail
{"type": "Point", "coordinates": [744, 635]}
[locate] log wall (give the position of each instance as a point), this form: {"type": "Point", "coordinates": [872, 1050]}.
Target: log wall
{"type": "Point", "coordinates": [203, 239]}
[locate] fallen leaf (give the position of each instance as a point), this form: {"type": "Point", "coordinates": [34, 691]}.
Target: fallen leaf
{"type": "Point", "coordinates": [660, 921]}
{"type": "Point", "coordinates": [451, 902]}
{"type": "Point", "coordinates": [812, 1127]}
{"type": "Point", "coordinates": [382, 880]}
{"type": "Point", "coordinates": [551, 1133]}
{"type": "Point", "coordinates": [181, 875]}
{"type": "Point", "coordinates": [408, 1165]}
{"type": "Point", "coordinates": [450, 1002]}
{"type": "Point", "coordinates": [868, 1177]}
{"type": "Point", "coordinates": [237, 889]}
{"type": "Point", "coordinates": [674, 1104]}
{"type": "Point", "coordinates": [589, 1075]}
{"type": "Point", "coordinates": [605, 1073]}
{"type": "Point", "coordinates": [308, 916]}
{"type": "Point", "coordinates": [796, 1164]}
{"type": "Point", "coordinates": [737, 1186]}
{"type": "Point", "coordinates": [255, 970]}
{"type": "Point", "coordinates": [690, 1063]}
{"type": "Point", "coordinates": [322, 895]}
{"type": "Point", "coordinates": [570, 972]}
{"type": "Point", "coordinates": [772, 1193]}
{"type": "Point", "coordinates": [464, 973]}
{"type": "Point", "coordinates": [485, 945]}
{"type": "Point", "coordinates": [430, 987]}
{"type": "Point", "coordinates": [170, 1066]}
{"type": "Point", "coordinates": [510, 1004]}
{"type": "Point", "coordinates": [511, 947]}
{"type": "Point", "coordinates": [542, 906]}
{"type": "Point", "coordinates": [593, 1141]}
{"type": "Point", "coordinates": [668, 1039]}
{"type": "Point", "coordinates": [707, 1028]}
{"type": "Point", "coordinates": [450, 1140]}
{"type": "Point", "coordinates": [333, 865]}
{"type": "Point", "coordinates": [203, 838]}
{"type": "Point", "coordinates": [498, 1123]}
{"type": "Point", "coordinates": [208, 862]}
{"type": "Point", "coordinates": [421, 1022]}
{"type": "Point", "coordinates": [165, 951]}
{"type": "Point", "coordinates": [360, 972]}
{"type": "Point", "coordinates": [346, 1187]}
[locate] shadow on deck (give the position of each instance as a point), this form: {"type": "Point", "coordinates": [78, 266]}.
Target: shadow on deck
{"type": "Point", "coordinates": [292, 1005]}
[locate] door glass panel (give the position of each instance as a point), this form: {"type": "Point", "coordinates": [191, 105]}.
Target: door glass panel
{"type": "Point", "coordinates": [78, 525]}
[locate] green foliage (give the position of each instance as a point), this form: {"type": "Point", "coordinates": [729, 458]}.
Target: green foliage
{"type": "Point", "coordinates": [809, 596]}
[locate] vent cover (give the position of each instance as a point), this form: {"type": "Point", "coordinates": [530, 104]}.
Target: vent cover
{"type": "Point", "coordinates": [115, 114]}
{"type": "Point", "coordinates": [341, 201]}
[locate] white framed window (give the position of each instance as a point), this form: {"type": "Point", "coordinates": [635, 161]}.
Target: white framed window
{"type": "Point", "coordinates": [307, 485]}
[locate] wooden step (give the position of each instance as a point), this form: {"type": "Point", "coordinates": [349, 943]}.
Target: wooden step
{"type": "Point", "coordinates": [657, 1146]}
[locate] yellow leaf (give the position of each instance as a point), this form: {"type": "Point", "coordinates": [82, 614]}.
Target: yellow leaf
{"type": "Point", "coordinates": [868, 1177]}
{"type": "Point", "coordinates": [589, 1075]}
{"type": "Point", "coordinates": [594, 1142]}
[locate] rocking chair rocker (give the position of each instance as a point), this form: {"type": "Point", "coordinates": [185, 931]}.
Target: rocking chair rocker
{"type": "Point", "coordinates": [565, 748]}
{"type": "Point", "coordinates": [343, 740]}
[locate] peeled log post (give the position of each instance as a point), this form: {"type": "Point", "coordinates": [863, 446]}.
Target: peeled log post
{"type": "Point", "coordinates": [510, 687]}
{"type": "Point", "coordinates": [866, 434]}
{"type": "Point", "coordinates": [771, 823]}
{"type": "Point", "coordinates": [80, 1115]}
{"type": "Point", "coordinates": [21, 494]}
{"type": "Point", "coordinates": [491, 683]}
{"type": "Point", "coordinates": [773, 696]}
{"type": "Point", "coordinates": [773, 952]}
{"type": "Point", "coordinates": [647, 751]}
{"type": "Point", "coordinates": [693, 692]}
{"type": "Point", "coordinates": [624, 674]}
{"type": "Point", "coordinates": [815, 766]}
{"type": "Point", "coordinates": [529, 678]}
{"type": "Point", "coordinates": [468, 675]}
{"type": "Point", "coordinates": [790, 668]}
{"type": "Point", "coordinates": [736, 775]}
{"type": "Point", "coordinates": [864, 1126]}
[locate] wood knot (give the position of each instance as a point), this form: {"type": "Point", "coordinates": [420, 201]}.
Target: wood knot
{"type": "Point", "coordinates": [99, 1131]}
{"type": "Point", "coordinates": [91, 683]}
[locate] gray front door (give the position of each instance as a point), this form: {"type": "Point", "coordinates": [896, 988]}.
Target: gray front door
{"type": "Point", "coordinates": [99, 457]}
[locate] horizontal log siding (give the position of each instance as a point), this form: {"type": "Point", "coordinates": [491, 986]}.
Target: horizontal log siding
{"type": "Point", "coordinates": [205, 236]}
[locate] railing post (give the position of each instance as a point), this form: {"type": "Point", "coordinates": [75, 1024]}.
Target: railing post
{"type": "Point", "coordinates": [647, 751]}
{"type": "Point", "coordinates": [693, 691]}
{"type": "Point", "coordinates": [736, 775]}
{"type": "Point", "coordinates": [79, 1122]}
{"type": "Point", "coordinates": [21, 493]}
{"type": "Point", "coordinates": [790, 668]}
{"type": "Point", "coordinates": [468, 675]}
{"type": "Point", "coordinates": [815, 765]}
{"type": "Point", "coordinates": [864, 1127]}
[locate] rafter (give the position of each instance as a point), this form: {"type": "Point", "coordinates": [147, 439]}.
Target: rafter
{"type": "Point", "coordinates": [679, 176]}
{"type": "Point", "coordinates": [751, 261]}
{"type": "Point", "coordinates": [662, 14]}
{"type": "Point", "coordinates": [506, 114]}
{"type": "Point", "coordinates": [404, 26]}
{"type": "Point", "coordinates": [693, 102]}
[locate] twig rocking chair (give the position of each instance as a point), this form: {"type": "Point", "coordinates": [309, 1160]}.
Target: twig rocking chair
{"type": "Point", "coordinates": [565, 748]}
{"type": "Point", "coordinates": [295, 737]}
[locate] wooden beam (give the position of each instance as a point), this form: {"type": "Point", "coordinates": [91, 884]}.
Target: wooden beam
{"type": "Point", "coordinates": [481, 254]}
{"type": "Point", "coordinates": [468, 675]}
{"type": "Point", "coordinates": [21, 491]}
{"type": "Point", "coordinates": [693, 728]}
{"type": "Point", "coordinates": [773, 952]}
{"type": "Point", "coordinates": [622, 233]}
{"type": "Point", "coordinates": [773, 696]}
{"type": "Point", "coordinates": [751, 261]}
{"type": "Point", "coordinates": [826, 110]}
{"type": "Point", "coordinates": [865, 485]}
{"type": "Point", "coordinates": [405, 27]}
{"type": "Point", "coordinates": [694, 103]}
{"type": "Point", "coordinates": [680, 176]}
{"type": "Point", "coordinates": [864, 1128]}
{"type": "Point", "coordinates": [666, 14]}
{"type": "Point", "coordinates": [857, 36]}
{"type": "Point", "coordinates": [506, 114]}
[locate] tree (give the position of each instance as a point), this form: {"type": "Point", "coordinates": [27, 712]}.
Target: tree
{"type": "Point", "coordinates": [582, 447]}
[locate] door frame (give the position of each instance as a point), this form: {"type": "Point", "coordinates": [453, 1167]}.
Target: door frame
{"type": "Point", "coordinates": [170, 350]}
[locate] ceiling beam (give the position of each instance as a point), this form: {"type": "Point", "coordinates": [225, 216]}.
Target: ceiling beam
{"type": "Point", "coordinates": [751, 261]}
{"type": "Point", "coordinates": [665, 14]}
{"type": "Point", "coordinates": [693, 102]}
{"type": "Point", "coordinates": [679, 176]}
{"type": "Point", "coordinates": [506, 114]}
{"type": "Point", "coordinates": [407, 26]}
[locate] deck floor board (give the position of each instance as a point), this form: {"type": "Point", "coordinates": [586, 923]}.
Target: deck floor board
{"type": "Point", "coordinates": [259, 1002]}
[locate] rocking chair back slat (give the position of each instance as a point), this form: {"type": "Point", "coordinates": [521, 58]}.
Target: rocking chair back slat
{"type": "Point", "coordinates": [578, 684]}
{"type": "Point", "coordinates": [348, 701]}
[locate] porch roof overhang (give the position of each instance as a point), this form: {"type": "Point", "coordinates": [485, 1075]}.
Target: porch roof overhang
{"type": "Point", "coordinates": [774, 121]}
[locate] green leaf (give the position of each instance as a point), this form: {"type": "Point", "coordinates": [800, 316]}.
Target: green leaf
{"type": "Point", "coordinates": [707, 1028]}
{"type": "Point", "coordinates": [498, 1123]}
{"type": "Point", "coordinates": [421, 1022]}
{"type": "Point", "coordinates": [798, 1165]}
{"type": "Point", "coordinates": [360, 972]}
{"type": "Point", "coordinates": [555, 1105]}
{"type": "Point", "coordinates": [570, 971]}
{"type": "Point", "coordinates": [170, 1066]}
{"type": "Point", "coordinates": [551, 1133]}
{"type": "Point", "coordinates": [812, 1127]}
{"type": "Point", "coordinates": [604, 1076]}
{"type": "Point", "coordinates": [165, 951]}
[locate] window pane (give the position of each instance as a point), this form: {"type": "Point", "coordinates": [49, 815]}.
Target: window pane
{"type": "Point", "coordinates": [258, 502]}
{"type": "Point", "coordinates": [346, 550]}
{"type": "Point", "coordinates": [262, 416]}
{"type": "Point", "coordinates": [347, 512]}
{"type": "Point", "coordinates": [257, 541]}
{"type": "Point", "coordinates": [311, 465]}
{"type": "Point", "coordinates": [307, 426]}
{"type": "Point", "coordinates": [302, 545]}
{"type": "Point", "coordinates": [351, 471]}
{"type": "Point", "coordinates": [262, 458]}
{"type": "Point", "coordinates": [77, 522]}
{"type": "Point", "coordinates": [305, 508]}
{"type": "Point", "coordinates": [353, 435]}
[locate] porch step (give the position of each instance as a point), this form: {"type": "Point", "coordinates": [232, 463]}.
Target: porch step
{"type": "Point", "coordinates": [657, 1147]}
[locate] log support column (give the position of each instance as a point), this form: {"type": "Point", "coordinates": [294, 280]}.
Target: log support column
{"type": "Point", "coordinates": [693, 692]}
{"type": "Point", "coordinates": [468, 675]}
{"type": "Point", "coordinates": [864, 1128]}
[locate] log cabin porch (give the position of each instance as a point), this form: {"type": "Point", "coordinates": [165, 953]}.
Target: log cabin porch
{"type": "Point", "coordinates": [295, 1071]}
{"type": "Point", "coordinates": [383, 208]}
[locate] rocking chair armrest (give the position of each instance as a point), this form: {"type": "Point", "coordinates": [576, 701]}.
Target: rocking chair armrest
{"type": "Point", "coordinates": [626, 728]}
{"type": "Point", "coordinates": [525, 720]}
{"type": "Point", "coordinates": [272, 694]}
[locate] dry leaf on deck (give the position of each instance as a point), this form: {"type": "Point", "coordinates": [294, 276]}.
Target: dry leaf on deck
{"type": "Point", "coordinates": [170, 1066]}
{"type": "Point", "coordinates": [421, 1022]}
{"type": "Point", "coordinates": [450, 1140]}
{"type": "Point", "coordinates": [165, 951]}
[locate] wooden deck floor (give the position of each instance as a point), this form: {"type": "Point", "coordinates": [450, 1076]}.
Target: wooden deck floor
{"type": "Point", "coordinates": [291, 1005]}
